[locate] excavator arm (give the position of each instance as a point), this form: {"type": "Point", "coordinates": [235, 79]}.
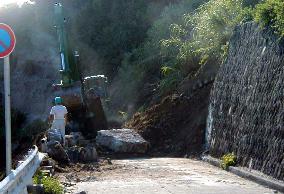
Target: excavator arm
{"type": "Point", "coordinates": [82, 96]}
{"type": "Point", "coordinates": [69, 68]}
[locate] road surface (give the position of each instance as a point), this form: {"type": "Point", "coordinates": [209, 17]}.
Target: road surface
{"type": "Point", "coordinates": [167, 176]}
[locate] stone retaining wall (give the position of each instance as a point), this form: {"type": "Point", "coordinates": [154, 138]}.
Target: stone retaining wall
{"type": "Point", "coordinates": [247, 102]}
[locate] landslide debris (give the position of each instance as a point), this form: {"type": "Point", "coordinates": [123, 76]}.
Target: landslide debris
{"type": "Point", "coordinates": [175, 126]}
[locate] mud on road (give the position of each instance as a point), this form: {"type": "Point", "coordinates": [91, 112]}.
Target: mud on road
{"type": "Point", "coordinates": [160, 175]}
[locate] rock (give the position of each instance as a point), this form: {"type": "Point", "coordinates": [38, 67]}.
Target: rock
{"type": "Point", "coordinates": [43, 145]}
{"type": "Point", "coordinates": [73, 139]}
{"type": "Point", "coordinates": [48, 168]}
{"type": "Point", "coordinates": [84, 142]}
{"type": "Point", "coordinates": [77, 135]}
{"type": "Point", "coordinates": [56, 151]}
{"type": "Point", "coordinates": [82, 154]}
{"type": "Point", "coordinates": [73, 154]}
{"type": "Point", "coordinates": [35, 188]}
{"type": "Point", "coordinates": [60, 169]}
{"type": "Point", "coordinates": [82, 192]}
{"type": "Point", "coordinates": [122, 140]}
{"type": "Point", "coordinates": [88, 154]}
{"type": "Point", "coordinates": [69, 141]}
{"type": "Point", "coordinates": [48, 162]}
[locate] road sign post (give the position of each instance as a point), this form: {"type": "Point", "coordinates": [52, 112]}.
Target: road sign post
{"type": "Point", "coordinates": [7, 114]}
{"type": "Point", "coordinates": [7, 45]}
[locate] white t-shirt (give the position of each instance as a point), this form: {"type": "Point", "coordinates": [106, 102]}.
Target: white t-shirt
{"type": "Point", "coordinates": [58, 111]}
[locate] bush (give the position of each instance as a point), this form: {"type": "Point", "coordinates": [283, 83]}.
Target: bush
{"type": "Point", "coordinates": [271, 13]}
{"type": "Point", "coordinates": [202, 37]}
{"type": "Point", "coordinates": [51, 185]}
{"type": "Point", "coordinates": [203, 34]}
{"type": "Point", "coordinates": [172, 77]}
{"type": "Point", "coordinates": [141, 66]}
{"type": "Point", "coordinates": [228, 160]}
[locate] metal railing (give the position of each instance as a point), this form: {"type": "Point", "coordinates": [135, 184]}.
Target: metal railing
{"type": "Point", "coordinates": [16, 182]}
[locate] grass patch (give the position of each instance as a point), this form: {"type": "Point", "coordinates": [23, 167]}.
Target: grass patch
{"type": "Point", "coordinates": [51, 185]}
{"type": "Point", "coordinates": [227, 160]}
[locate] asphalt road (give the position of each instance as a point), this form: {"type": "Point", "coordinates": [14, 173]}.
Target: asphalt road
{"type": "Point", "coordinates": [167, 176]}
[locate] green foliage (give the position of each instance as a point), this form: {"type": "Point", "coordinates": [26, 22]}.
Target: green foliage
{"type": "Point", "coordinates": [123, 115]}
{"type": "Point", "coordinates": [147, 58]}
{"type": "Point", "coordinates": [37, 178]}
{"type": "Point", "coordinates": [139, 43]}
{"type": "Point", "coordinates": [227, 160]}
{"type": "Point", "coordinates": [142, 109]}
{"type": "Point", "coordinates": [225, 49]}
{"type": "Point", "coordinates": [51, 185]}
{"type": "Point", "coordinates": [204, 33]}
{"type": "Point", "coordinates": [170, 82]}
{"type": "Point", "coordinates": [172, 14]}
{"type": "Point", "coordinates": [271, 13]}
{"type": "Point", "coordinates": [201, 36]}
{"type": "Point", "coordinates": [113, 29]}
{"type": "Point", "coordinates": [167, 70]}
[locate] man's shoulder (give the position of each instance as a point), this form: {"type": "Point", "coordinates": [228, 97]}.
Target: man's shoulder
{"type": "Point", "coordinates": [64, 107]}
{"type": "Point", "coordinates": [59, 107]}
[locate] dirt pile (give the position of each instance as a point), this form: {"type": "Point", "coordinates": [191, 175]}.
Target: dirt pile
{"type": "Point", "coordinates": [76, 173]}
{"type": "Point", "coordinates": [176, 125]}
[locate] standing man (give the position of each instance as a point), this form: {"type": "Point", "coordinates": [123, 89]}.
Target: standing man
{"type": "Point", "coordinates": [58, 116]}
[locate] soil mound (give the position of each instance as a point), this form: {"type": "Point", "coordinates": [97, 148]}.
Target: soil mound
{"type": "Point", "coordinates": [176, 126]}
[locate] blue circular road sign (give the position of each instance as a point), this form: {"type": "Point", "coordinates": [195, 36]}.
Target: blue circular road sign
{"type": "Point", "coordinates": [7, 40]}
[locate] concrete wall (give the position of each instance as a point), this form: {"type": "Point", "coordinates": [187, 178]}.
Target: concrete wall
{"type": "Point", "coordinates": [247, 101]}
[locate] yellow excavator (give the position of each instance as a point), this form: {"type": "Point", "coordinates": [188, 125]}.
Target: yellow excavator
{"type": "Point", "coordinates": [81, 95]}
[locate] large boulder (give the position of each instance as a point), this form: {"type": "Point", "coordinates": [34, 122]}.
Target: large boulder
{"type": "Point", "coordinates": [122, 140]}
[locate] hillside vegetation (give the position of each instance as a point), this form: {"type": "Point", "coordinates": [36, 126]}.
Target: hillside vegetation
{"type": "Point", "coordinates": [147, 48]}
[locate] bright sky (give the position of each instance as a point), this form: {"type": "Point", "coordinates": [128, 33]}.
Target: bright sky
{"type": "Point", "coordinates": [19, 2]}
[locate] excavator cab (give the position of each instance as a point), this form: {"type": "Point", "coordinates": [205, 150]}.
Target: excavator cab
{"type": "Point", "coordinates": [97, 85]}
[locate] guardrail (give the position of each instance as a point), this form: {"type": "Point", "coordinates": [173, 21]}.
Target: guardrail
{"type": "Point", "coordinates": [16, 182]}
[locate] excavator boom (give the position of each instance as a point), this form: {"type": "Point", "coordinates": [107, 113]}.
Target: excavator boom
{"type": "Point", "coordinates": [68, 68]}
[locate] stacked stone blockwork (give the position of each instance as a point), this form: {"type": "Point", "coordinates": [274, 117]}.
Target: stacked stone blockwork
{"type": "Point", "coordinates": [247, 101]}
